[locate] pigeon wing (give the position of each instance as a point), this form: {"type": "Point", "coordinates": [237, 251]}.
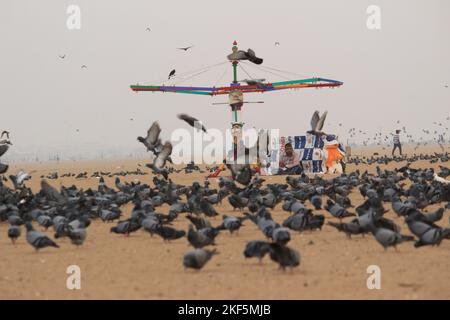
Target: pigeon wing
{"type": "Point", "coordinates": [153, 133]}
{"type": "Point", "coordinates": [321, 121]}
{"type": "Point", "coordinates": [3, 148]}
{"type": "Point", "coordinates": [161, 159]}
{"type": "Point", "coordinates": [314, 120]}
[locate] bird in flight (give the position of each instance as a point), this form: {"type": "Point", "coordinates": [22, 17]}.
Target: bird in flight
{"type": "Point", "coordinates": [84, 66]}
{"type": "Point", "coordinates": [172, 73]}
{"type": "Point", "coordinates": [148, 29]}
{"type": "Point", "coordinates": [446, 86]}
{"type": "Point", "coordinates": [277, 43]}
{"type": "Point", "coordinates": [193, 122]}
{"type": "Point", "coordinates": [185, 48]}
{"type": "Point", "coordinates": [62, 56]}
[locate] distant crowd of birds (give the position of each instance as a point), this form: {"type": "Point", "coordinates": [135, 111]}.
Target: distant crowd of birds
{"type": "Point", "coordinates": [385, 159]}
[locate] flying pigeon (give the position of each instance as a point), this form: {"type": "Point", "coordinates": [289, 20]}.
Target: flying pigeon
{"type": "Point", "coordinates": [185, 48]}
{"type": "Point", "coordinates": [152, 140]}
{"type": "Point", "coordinates": [245, 55]}
{"type": "Point", "coordinates": [317, 123]}
{"type": "Point", "coordinates": [160, 160]}
{"type": "Point", "coordinates": [193, 122]}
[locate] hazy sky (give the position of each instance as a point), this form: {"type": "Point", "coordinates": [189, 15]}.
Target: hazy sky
{"type": "Point", "coordinates": [398, 72]}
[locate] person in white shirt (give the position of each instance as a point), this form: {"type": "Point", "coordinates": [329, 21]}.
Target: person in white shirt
{"type": "Point", "coordinates": [289, 161]}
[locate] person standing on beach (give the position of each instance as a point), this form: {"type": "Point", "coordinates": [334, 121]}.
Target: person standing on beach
{"type": "Point", "coordinates": [397, 143]}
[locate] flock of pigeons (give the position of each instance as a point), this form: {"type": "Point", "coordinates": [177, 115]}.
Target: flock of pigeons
{"type": "Point", "coordinates": [69, 211]}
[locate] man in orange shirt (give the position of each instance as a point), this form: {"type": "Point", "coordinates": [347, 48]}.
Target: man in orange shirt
{"type": "Point", "coordinates": [333, 155]}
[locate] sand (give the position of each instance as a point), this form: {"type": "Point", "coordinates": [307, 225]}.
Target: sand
{"type": "Point", "coordinates": [144, 267]}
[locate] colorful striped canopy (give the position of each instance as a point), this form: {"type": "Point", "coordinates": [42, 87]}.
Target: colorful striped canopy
{"type": "Point", "coordinates": [212, 91]}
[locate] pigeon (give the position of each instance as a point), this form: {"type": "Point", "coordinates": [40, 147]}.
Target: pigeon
{"type": "Point", "coordinates": [44, 221]}
{"type": "Point", "coordinates": [351, 228]}
{"type": "Point", "coordinates": [201, 238]}
{"type": "Point", "coordinates": [284, 256]}
{"type": "Point", "coordinates": [316, 201]}
{"type": "Point", "coordinates": [199, 222]}
{"type": "Point", "coordinates": [109, 215]}
{"type": "Point", "coordinates": [77, 235]}
{"type": "Point", "coordinates": [151, 224]}
{"type": "Point", "coordinates": [168, 233]}
{"type": "Point", "coordinates": [171, 74]}
{"type": "Point", "coordinates": [245, 55]}
{"type": "Point", "coordinates": [62, 56]}
{"type": "Point", "coordinates": [51, 193]}
{"type": "Point", "coordinates": [440, 179]}
{"type": "Point", "coordinates": [84, 66]}
{"type": "Point", "coordinates": [160, 160]}
{"type": "Point", "coordinates": [242, 173]}
{"type": "Point", "coordinates": [281, 235]}
{"type": "Point", "coordinates": [336, 210]}
{"type": "Point", "coordinates": [433, 236]}
{"type": "Point", "coordinates": [152, 141]}
{"type": "Point", "coordinates": [3, 168]}
{"type": "Point", "coordinates": [19, 178]}
{"type": "Point", "coordinates": [193, 122]}
{"type": "Point", "coordinates": [4, 146]}
{"type": "Point", "coordinates": [231, 224]}
{"type": "Point", "coordinates": [14, 233]}
{"type": "Point", "coordinates": [388, 238]}
{"type": "Point", "coordinates": [126, 227]}
{"type": "Point", "coordinates": [185, 48]}
{"type": "Point", "coordinates": [37, 239]}
{"type": "Point", "coordinates": [256, 249]}
{"type": "Point", "coordinates": [196, 259]}
{"type": "Point", "coordinates": [317, 123]}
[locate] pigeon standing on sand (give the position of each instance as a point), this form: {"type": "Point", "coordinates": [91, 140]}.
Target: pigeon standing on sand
{"type": "Point", "coordinates": [241, 172]}
{"type": "Point", "coordinates": [201, 238]}
{"type": "Point", "coordinates": [37, 239]}
{"type": "Point", "coordinates": [196, 259]}
{"type": "Point", "coordinates": [231, 224]}
{"type": "Point", "coordinates": [336, 210]}
{"type": "Point", "coordinates": [19, 178]}
{"type": "Point", "coordinates": [284, 256]}
{"type": "Point", "coordinates": [14, 233]}
{"type": "Point", "coordinates": [388, 238]}
{"type": "Point", "coordinates": [257, 249]}
{"type": "Point", "coordinates": [77, 235]}
{"type": "Point", "coordinates": [168, 233]}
